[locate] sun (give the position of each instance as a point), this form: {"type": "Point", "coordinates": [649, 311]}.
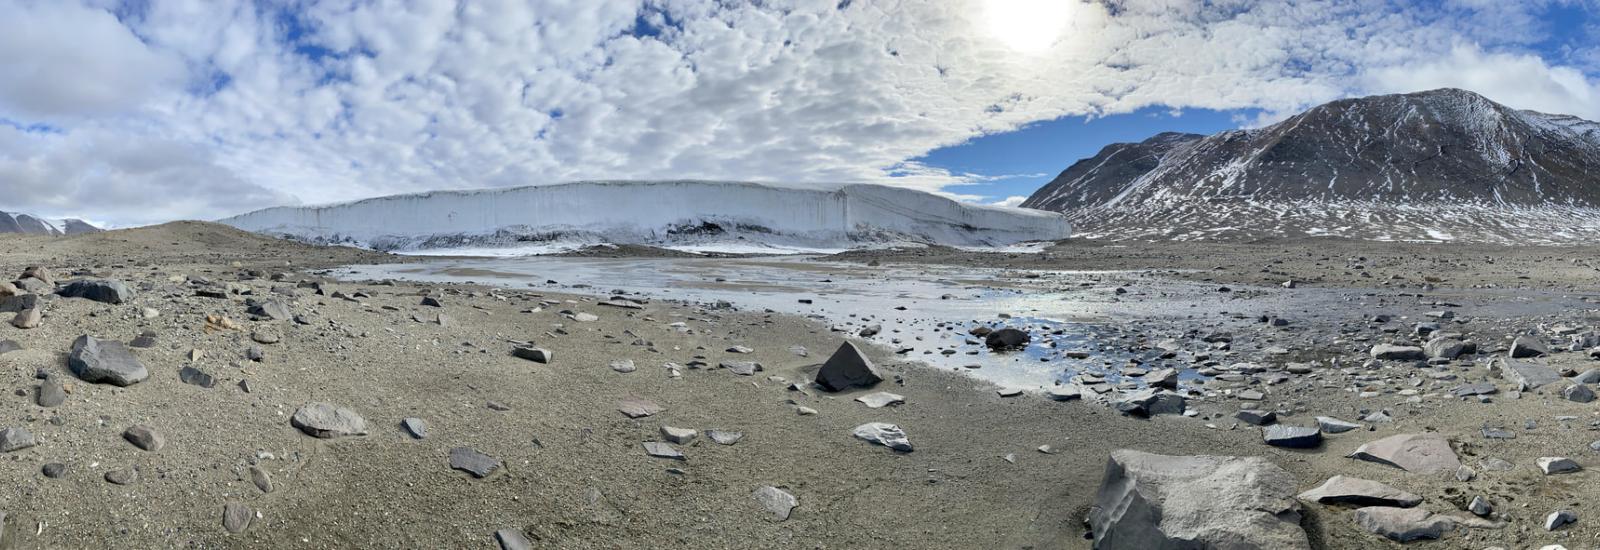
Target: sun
{"type": "Point", "coordinates": [1028, 26]}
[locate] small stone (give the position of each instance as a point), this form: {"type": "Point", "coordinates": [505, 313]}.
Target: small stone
{"type": "Point", "coordinates": [847, 367]}
{"type": "Point", "coordinates": [1256, 418]}
{"type": "Point", "coordinates": [512, 539]}
{"type": "Point", "coordinates": [261, 479]}
{"type": "Point", "coordinates": [123, 477]}
{"type": "Point", "coordinates": [742, 368]}
{"type": "Point", "coordinates": [54, 470]}
{"type": "Point", "coordinates": [881, 399]}
{"type": "Point", "coordinates": [637, 407]}
{"type": "Point", "coordinates": [1559, 518]}
{"type": "Point", "coordinates": [95, 360]}
{"type": "Point", "coordinates": [1292, 437]}
{"type": "Point", "coordinates": [537, 355]}
{"type": "Point", "coordinates": [261, 337]}
{"type": "Point", "coordinates": [51, 393]}
{"type": "Point", "coordinates": [623, 366]}
{"type": "Point", "coordinates": [1578, 393]}
{"type": "Point", "coordinates": [1480, 507]}
{"type": "Point", "coordinates": [777, 501]}
{"type": "Point", "coordinates": [196, 377]}
{"type": "Point", "coordinates": [327, 421]}
{"type": "Point", "coordinates": [473, 462]}
{"type": "Point", "coordinates": [724, 437]}
{"type": "Point", "coordinates": [26, 319]}
{"type": "Point", "coordinates": [681, 436]}
{"type": "Point", "coordinates": [416, 427]}
{"type": "Point", "coordinates": [662, 450]}
{"type": "Point", "coordinates": [236, 517]}
{"type": "Point", "coordinates": [1552, 465]}
{"type": "Point", "coordinates": [145, 437]}
{"type": "Point", "coordinates": [1335, 426]}
{"type": "Point", "coordinates": [883, 433]}
{"type": "Point", "coordinates": [16, 439]}
{"type": "Point", "coordinates": [739, 349]}
{"type": "Point", "coordinates": [1390, 352]}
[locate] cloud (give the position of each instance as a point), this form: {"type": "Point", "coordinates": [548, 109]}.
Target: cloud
{"type": "Point", "coordinates": [1014, 200]}
{"type": "Point", "coordinates": [1518, 80]}
{"type": "Point", "coordinates": [160, 109]}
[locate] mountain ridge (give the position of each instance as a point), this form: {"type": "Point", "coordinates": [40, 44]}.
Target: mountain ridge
{"type": "Point", "coordinates": [15, 222]}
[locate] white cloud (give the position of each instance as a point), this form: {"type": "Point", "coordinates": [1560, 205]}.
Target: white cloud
{"type": "Point", "coordinates": [1518, 80]}
{"type": "Point", "coordinates": [1014, 200]}
{"type": "Point", "coordinates": [198, 108]}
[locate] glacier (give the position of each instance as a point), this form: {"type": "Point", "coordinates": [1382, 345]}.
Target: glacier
{"type": "Point", "coordinates": [699, 215]}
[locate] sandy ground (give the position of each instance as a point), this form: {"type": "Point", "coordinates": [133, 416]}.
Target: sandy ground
{"type": "Point", "coordinates": [575, 474]}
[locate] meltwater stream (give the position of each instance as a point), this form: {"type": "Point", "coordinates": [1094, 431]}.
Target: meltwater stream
{"type": "Point", "coordinates": [1081, 324]}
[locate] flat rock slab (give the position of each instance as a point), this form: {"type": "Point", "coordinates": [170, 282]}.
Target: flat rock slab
{"type": "Point", "coordinates": [883, 433]}
{"type": "Point", "coordinates": [328, 421]}
{"type": "Point", "coordinates": [847, 368]}
{"type": "Point", "coordinates": [1333, 425]}
{"type": "Point", "coordinates": [105, 361]}
{"type": "Point", "coordinates": [1292, 437]}
{"type": "Point", "coordinates": [724, 437]}
{"type": "Point", "coordinates": [1552, 465]}
{"type": "Point", "coordinates": [1402, 524]}
{"type": "Point", "coordinates": [512, 539]}
{"type": "Point", "coordinates": [1360, 492]}
{"type": "Point", "coordinates": [471, 461]}
{"type": "Point", "coordinates": [662, 450]}
{"type": "Point", "coordinates": [16, 439]}
{"type": "Point", "coordinates": [742, 368]}
{"type": "Point", "coordinates": [416, 427]}
{"type": "Point", "coordinates": [777, 501]}
{"type": "Point", "coordinates": [637, 407]}
{"type": "Point", "coordinates": [1528, 375]}
{"type": "Point", "coordinates": [537, 355]}
{"type": "Point", "coordinates": [1424, 453]}
{"type": "Point", "coordinates": [1390, 352]}
{"type": "Point", "coordinates": [1149, 501]}
{"type": "Point", "coordinates": [881, 399]}
{"type": "Point", "coordinates": [108, 291]}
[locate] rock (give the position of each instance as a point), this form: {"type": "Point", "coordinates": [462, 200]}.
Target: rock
{"type": "Point", "coordinates": [1552, 465]}
{"type": "Point", "coordinates": [512, 539]}
{"type": "Point", "coordinates": [261, 337]}
{"type": "Point", "coordinates": [1559, 518]}
{"type": "Point", "coordinates": [1333, 425]}
{"type": "Point", "coordinates": [105, 361]}
{"type": "Point", "coordinates": [194, 376]}
{"type": "Point", "coordinates": [51, 393]}
{"type": "Point", "coordinates": [471, 461]}
{"type": "Point", "coordinates": [1391, 352]}
{"type": "Point", "coordinates": [1424, 453]}
{"type": "Point", "coordinates": [1444, 348]}
{"type": "Point", "coordinates": [328, 421]}
{"type": "Point", "coordinates": [1066, 392]}
{"type": "Point", "coordinates": [1149, 402]}
{"type": "Point", "coordinates": [1162, 378]}
{"type": "Point", "coordinates": [636, 407]}
{"type": "Point", "coordinates": [869, 331]}
{"type": "Point", "coordinates": [662, 450]}
{"type": "Point", "coordinates": [883, 433]}
{"type": "Point", "coordinates": [236, 517]}
{"type": "Point", "coordinates": [724, 437]}
{"type": "Point", "coordinates": [740, 349]}
{"type": "Point", "coordinates": [1527, 346]}
{"type": "Point", "coordinates": [537, 355]}
{"type": "Point", "coordinates": [681, 436]}
{"type": "Point", "coordinates": [847, 368]}
{"type": "Point", "coordinates": [1292, 437]}
{"type": "Point", "coordinates": [431, 301]}
{"type": "Point", "coordinates": [54, 470]}
{"type": "Point", "coordinates": [1578, 393]}
{"type": "Point", "coordinates": [623, 366]}
{"type": "Point", "coordinates": [126, 476]}
{"type": "Point", "coordinates": [582, 317]}
{"type": "Point", "coordinates": [416, 427]}
{"type": "Point", "coordinates": [1256, 418]}
{"type": "Point", "coordinates": [776, 500]}
{"type": "Point", "coordinates": [107, 291]}
{"type": "Point", "coordinates": [1148, 501]}
{"type": "Point", "coordinates": [1360, 492]}
{"type": "Point", "coordinates": [1402, 524]}
{"type": "Point", "coordinates": [261, 479]}
{"type": "Point", "coordinates": [1007, 339]}
{"type": "Point", "coordinates": [145, 437]}
{"type": "Point", "coordinates": [1480, 388]}
{"type": "Point", "coordinates": [34, 286]}
{"type": "Point", "coordinates": [881, 399]}
{"type": "Point", "coordinates": [1527, 375]}
{"type": "Point", "coordinates": [742, 368]}
{"type": "Point", "coordinates": [16, 439]}
{"type": "Point", "coordinates": [271, 309]}
{"type": "Point", "coordinates": [1480, 507]}
{"type": "Point", "coordinates": [26, 319]}
{"type": "Point", "coordinates": [8, 346]}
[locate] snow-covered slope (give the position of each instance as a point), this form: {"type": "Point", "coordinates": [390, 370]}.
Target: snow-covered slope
{"type": "Point", "coordinates": [1439, 165]}
{"type": "Point", "coordinates": [22, 223]}
{"type": "Point", "coordinates": [658, 213]}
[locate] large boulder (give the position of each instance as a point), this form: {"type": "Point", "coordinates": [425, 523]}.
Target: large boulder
{"type": "Point", "coordinates": [1149, 501]}
{"type": "Point", "coordinates": [1424, 453]}
{"type": "Point", "coordinates": [108, 291]}
{"type": "Point", "coordinates": [1527, 346]}
{"type": "Point", "coordinates": [1527, 375]}
{"type": "Point", "coordinates": [1007, 339]}
{"type": "Point", "coordinates": [105, 361]}
{"type": "Point", "coordinates": [848, 368]}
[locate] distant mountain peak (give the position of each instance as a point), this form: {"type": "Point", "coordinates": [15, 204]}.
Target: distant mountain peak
{"type": "Point", "coordinates": [11, 222]}
{"type": "Point", "coordinates": [1434, 149]}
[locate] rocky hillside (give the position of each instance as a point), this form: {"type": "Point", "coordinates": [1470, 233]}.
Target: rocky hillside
{"type": "Point", "coordinates": [23, 223]}
{"type": "Point", "coordinates": [1443, 165]}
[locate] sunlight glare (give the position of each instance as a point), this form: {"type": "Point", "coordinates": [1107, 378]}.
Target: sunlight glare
{"type": "Point", "coordinates": [1028, 26]}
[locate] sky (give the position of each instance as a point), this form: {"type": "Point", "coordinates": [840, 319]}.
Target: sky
{"type": "Point", "coordinates": [142, 111]}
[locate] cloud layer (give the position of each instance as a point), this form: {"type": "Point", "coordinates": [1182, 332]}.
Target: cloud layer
{"type": "Point", "coordinates": [165, 109]}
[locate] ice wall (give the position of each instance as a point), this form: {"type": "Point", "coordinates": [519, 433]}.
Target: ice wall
{"type": "Point", "coordinates": [661, 213]}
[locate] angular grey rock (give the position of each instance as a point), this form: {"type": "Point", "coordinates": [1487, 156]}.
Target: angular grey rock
{"type": "Point", "coordinates": [881, 399]}
{"type": "Point", "coordinates": [847, 368]}
{"type": "Point", "coordinates": [8, 346]}
{"type": "Point", "coordinates": [1591, 376]}
{"type": "Point", "coordinates": [145, 437]}
{"type": "Point", "coordinates": [623, 366]}
{"type": "Point", "coordinates": [1148, 501]}
{"type": "Point", "coordinates": [27, 318]}
{"type": "Point", "coordinates": [271, 309]}
{"type": "Point", "coordinates": [325, 420]}
{"type": "Point", "coordinates": [883, 433]}
{"type": "Point", "coordinates": [1149, 402]}
{"type": "Point", "coordinates": [1480, 388]}
{"type": "Point", "coordinates": [109, 291]}
{"type": "Point", "coordinates": [1402, 524]}
{"type": "Point", "coordinates": [681, 436]}
{"type": "Point", "coordinates": [125, 476]}
{"type": "Point", "coordinates": [1480, 506]}
{"type": "Point", "coordinates": [144, 340]}
{"type": "Point", "coordinates": [1524, 347]}
{"type": "Point", "coordinates": [638, 407]}
{"type": "Point", "coordinates": [1552, 465]}
{"type": "Point", "coordinates": [261, 479]}
{"type": "Point", "coordinates": [1424, 453]}
{"type": "Point", "coordinates": [16, 439]}
{"type": "Point", "coordinates": [431, 301]}
{"type": "Point", "coordinates": [1335, 426]}
{"type": "Point", "coordinates": [105, 361]}
{"type": "Point", "coordinates": [1527, 375]}
{"type": "Point", "coordinates": [196, 377]}
{"type": "Point", "coordinates": [1391, 352]}
{"type": "Point", "coordinates": [471, 461]}
{"type": "Point", "coordinates": [724, 437]}
{"type": "Point", "coordinates": [1360, 492]}
{"type": "Point", "coordinates": [537, 355]}
{"type": "Point", "coordinates": [51, 393]}
{"type": "Point", "coordinates": [1162, 378]}
{"type": "Point", "coordinates": [1444, 348]}
{"type": "Point", "coordinates": [1559, 518]}
{"type": "Point", "coordinates": [1255, 417]}
{"type": "Point", "coordinates": [512, 539]}
{"type": "Point", "coordinates": [742, 368]}
{"type": "Point", "coordinates": [54, 470]}
{"type": "Point", "coordinates": [662, 450]}
{"type": "Point", "coordinates": [1578, 393]}
{"type": "Point", "coordinates": [1064, 392]}
{"type": "Point", "coordinates": [416, 427]}
{"type": "Point", "coordinates": [236, 517]}
{"type": "Point", "coordinates": [1007, 339]}
{"type": "Point", "coordinates": [777, 501]}
{"type": "Point", "coordinates": [1292, 437]}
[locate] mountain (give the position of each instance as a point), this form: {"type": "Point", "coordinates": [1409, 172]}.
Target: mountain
{"type": "Point", "coordinates": [701, 214]}
{"type": "Point", "coordinates": [1442, 165]}
{"type": "Point", "coordinates": [23, 223]}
